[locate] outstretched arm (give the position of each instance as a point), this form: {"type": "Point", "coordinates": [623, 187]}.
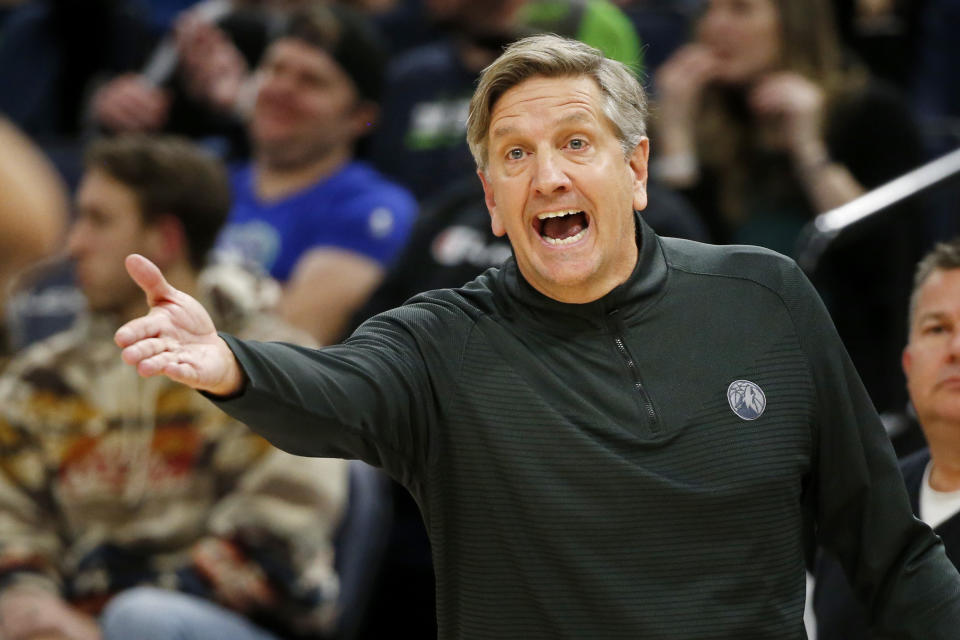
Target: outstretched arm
{"type": "Point", "coordinates": [177, 337]}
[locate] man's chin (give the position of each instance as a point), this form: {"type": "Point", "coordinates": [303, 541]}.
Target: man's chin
{"type": "Point", "coordinates": [286, 154]}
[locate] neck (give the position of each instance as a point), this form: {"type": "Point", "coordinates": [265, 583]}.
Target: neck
{"type": "Point", "coordinates": [181, 276]}
{"type": "Point", "coordinates": [275, 180]}
{"type": "Point", "coordinates": [945, 454]}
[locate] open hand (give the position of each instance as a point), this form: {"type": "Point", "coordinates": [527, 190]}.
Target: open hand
{"type": "Point", "coordinates": [793, 106]}
{"type": "Point", "coordinates": [177, 337]}
{"type": "Point", "coordinates": [128, 103]}
{"type": "Point", "coordinates": [680, 83]}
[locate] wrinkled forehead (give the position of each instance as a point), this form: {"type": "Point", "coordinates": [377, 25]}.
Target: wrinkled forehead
{"type": "Point", "coordinates": [546, 100]}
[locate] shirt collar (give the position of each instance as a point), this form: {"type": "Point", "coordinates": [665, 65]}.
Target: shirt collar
{"type": "Point", "coordinates": [630, 298]}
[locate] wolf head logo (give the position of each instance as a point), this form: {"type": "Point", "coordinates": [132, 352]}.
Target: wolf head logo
{"type": "Point", "coordinates": [746, 399]}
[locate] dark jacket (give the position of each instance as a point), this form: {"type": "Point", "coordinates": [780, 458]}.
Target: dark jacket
{"type": "Point", "coordinates": [653, 464]}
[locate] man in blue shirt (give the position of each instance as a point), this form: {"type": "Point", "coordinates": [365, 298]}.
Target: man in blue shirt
{"type": "Point", "coordinates": [322, 223]}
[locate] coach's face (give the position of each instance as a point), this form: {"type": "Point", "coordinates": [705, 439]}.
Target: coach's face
{"type": "Point", "coordinates": [558, 185]}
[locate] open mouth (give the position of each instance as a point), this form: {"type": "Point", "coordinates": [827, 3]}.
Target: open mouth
{"type": "Point", "coordinates": [560, 228]}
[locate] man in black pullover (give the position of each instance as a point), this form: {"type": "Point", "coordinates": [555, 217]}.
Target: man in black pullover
{"type": "Point", "coordinates": [613, 435]}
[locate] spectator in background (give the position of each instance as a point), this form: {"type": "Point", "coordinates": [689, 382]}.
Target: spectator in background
{"type": "Point", "coordinates": [762, 126]}
{"type": "Point", "coordinates": [322, 223]}
{"type": "Point", "coordinates": [109, 482]}
{"type": "Point", "coordinates": [33, 211]}
{"type": "Point", "coordinates": [931, 362]}
{"type": "Point", "coordinates": [190, 83]}
{"type": "Point", "coordinates": [762, 92]}
{"type": "Point", "coordinates": [422, 140]}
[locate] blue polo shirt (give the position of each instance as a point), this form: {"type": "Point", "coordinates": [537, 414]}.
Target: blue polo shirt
{"type": "Point", "coordinates": [356, 209]}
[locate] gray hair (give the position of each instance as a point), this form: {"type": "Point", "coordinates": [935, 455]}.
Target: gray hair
{"type": "Point", "coordinates": [943, 257]}
{"type": "Point", "coordinates": [550, 56]}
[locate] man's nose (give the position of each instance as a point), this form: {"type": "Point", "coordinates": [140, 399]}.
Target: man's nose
{"type": "Point", "coordinates": [550, 176]}
{"type": "Point", "coordinates": [954, 346]}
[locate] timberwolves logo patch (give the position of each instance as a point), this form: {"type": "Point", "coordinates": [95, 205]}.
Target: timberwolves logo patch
{"type": "Point", "coordinates": [746, 399]}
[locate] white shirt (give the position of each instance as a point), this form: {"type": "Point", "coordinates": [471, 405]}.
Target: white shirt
{"type": "Point", "coordinates": [936, 507]}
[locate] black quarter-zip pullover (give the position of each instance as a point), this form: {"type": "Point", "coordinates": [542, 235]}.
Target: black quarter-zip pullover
{"type": "Point", "coordinates": [654, 464]}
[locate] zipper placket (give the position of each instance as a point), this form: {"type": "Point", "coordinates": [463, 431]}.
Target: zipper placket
{"type": "Point", "coordinates": [618, 332]}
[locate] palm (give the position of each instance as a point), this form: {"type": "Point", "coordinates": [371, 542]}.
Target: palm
{"type": "Point", "coordinates": [176, 338]}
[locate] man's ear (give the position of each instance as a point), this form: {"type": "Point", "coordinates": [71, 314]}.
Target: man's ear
{"type": "Point", "coordinates": [166, 241]}
{"type": "Point", "coordinates": [496, 224]}
{"type": "Point", "coordinates": [638, 161]}
{"type": "Point", "coordinates": [906, 361]}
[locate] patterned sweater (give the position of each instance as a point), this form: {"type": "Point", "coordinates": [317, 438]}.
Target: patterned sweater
{"type": "Point", "coordinates": [109, 480]}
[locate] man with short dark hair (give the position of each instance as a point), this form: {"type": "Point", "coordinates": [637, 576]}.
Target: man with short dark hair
{"type": "Point", "coordinates": [305, 210]}
{"type": "Point", "coordinates": [139, 495]}
{"type": "Point", "coordinates": [931, 363]}
{"type": "Point", "coordinates": [613, 435]}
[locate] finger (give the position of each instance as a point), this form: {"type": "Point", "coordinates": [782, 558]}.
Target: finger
{"type": "Point", "coordinates": [765, 96]}
{"type": "Point", "coordinates": [181, 372]}
{"type": "Point", "coordinates": [136, 330]}
{"type": "Point", "coordinates": [143, 106]}
{"type": "Point", "coordinates": [157, 364]}
{"type": "Point", "coordinates": [144, 349]}
{"type": "Point", "coordinates": [115, 112]}
{"type": "Point", "coordinates": [149, 278]}
{"type": "Point", "coordinates": [126, 115]}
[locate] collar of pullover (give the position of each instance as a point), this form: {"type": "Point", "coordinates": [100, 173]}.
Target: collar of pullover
{"type": "Point", "coordinates": [627, 299]}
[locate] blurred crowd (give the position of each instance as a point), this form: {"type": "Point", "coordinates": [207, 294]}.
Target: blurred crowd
{"type": "Point", "coordinates": [302, 164]}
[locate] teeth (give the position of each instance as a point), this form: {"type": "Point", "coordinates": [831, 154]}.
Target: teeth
{"type": "Point", "coordinates": [559, 243]}
{"type": "Point", "coordinates": [557, 214]}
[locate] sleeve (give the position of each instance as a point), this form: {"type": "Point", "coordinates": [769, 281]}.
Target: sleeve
{"type": "Point", "coordinates": [377, 397]}
{"type": "Point", "coordinates": [406, 277]}
{"type": "Point", "coordinates": [861, 511]}
{"type": "Point", "coordinates": [30, 544]}
{"type": "Point", "coordinates": [376, 224]}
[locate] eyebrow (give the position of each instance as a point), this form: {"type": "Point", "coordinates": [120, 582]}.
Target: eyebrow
{"type": "Point", "coordinates": [510, 129]}
{"type": "Point", "coordinates": [505, 130]}
{"type": "Point", "coordinates": [927, 316]}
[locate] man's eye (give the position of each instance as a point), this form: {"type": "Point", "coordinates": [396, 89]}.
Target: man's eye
{"type": "Point", "coordinates": [577, 143]}
{"type": "Point", "coordinates": [515, 154]}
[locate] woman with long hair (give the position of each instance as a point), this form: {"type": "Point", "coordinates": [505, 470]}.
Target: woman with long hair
{"type": "Point", "coordinates": [765, 122]}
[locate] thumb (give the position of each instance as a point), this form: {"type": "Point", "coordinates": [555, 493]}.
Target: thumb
{"type": "Point", "coordinates": [149, 278]}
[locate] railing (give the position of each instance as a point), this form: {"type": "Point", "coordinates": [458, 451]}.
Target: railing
{"type": "Point", "coordinates": [821, 232]}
